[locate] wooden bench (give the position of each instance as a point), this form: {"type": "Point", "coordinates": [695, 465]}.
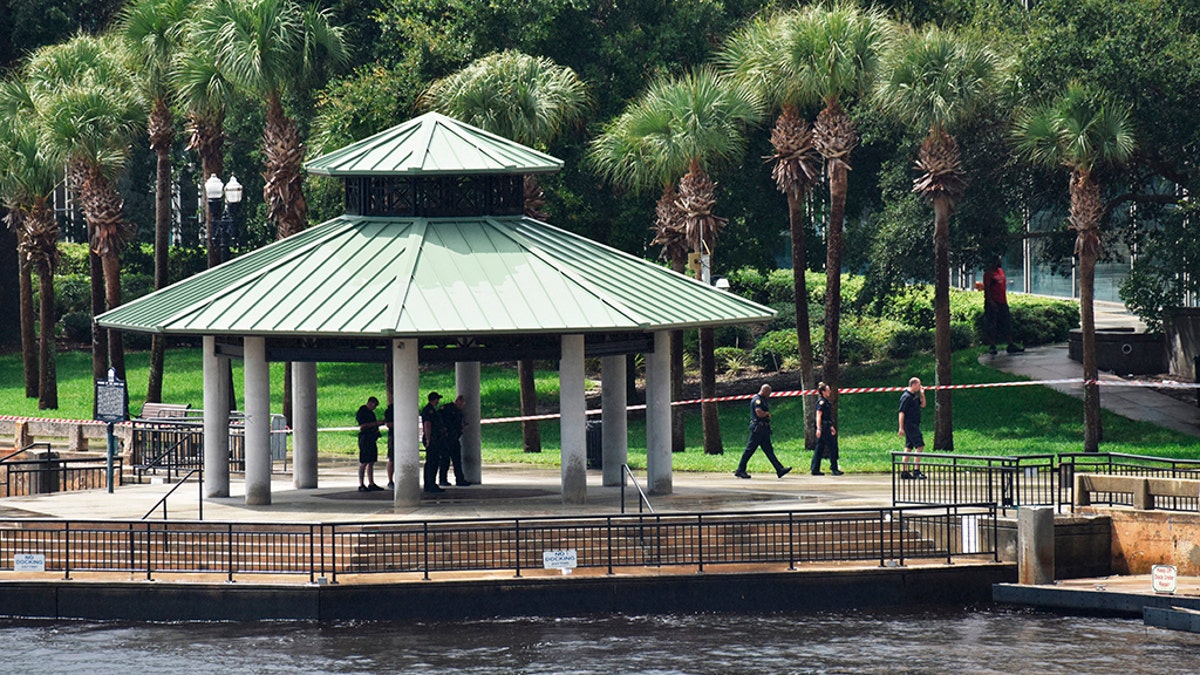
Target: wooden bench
{"type": "Point", "coordinates": [155, 410]}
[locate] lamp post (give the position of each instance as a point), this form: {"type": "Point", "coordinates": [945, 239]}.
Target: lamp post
{"type": "Point", "coordinates": [224, 228]}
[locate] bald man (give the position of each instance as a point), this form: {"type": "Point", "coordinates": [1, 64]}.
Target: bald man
{"type": "Point", "coordinates": [760, 434]}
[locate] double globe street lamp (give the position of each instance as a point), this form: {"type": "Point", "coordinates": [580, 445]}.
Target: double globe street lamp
{"type": "Point", "coordinates": [223, 229]}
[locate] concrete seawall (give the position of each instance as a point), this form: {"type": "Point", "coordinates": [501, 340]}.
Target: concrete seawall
{"type": "Point", "coordinates": [801, 590]}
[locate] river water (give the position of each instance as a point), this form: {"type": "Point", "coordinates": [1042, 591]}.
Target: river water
{"type": "Point", "coordinates": [961, 641]}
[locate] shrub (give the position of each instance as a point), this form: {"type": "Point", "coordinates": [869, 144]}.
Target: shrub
{"type": "Point", "coordinates": [748, 283]}
{"type": "Point", "coordinates": [780, 287]}
{"type": "Point", "coordinates": [740, 336]}
{"type": "Point", "coordinates": [962, 335]}
{"type": "Point", "coordinates": [773, 348]}
{"type": "Point", "coordinates": [725, 356]}
{"type": "Point", "coordinates": [1039, 321]}
{"type": "Point", "coordinates": [909, 340]}
{"type": "Point", "coordinates": [72, 294]}
{"type": "Point", "coordinates": [77, 327]}
{"type": "Point", "coordinates": [865, 338]}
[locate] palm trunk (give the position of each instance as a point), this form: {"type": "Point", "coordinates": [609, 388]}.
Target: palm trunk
{"type": "Point", "coordinates": [678, 420]}
{"type": "Point", "coordinates": [99, 335]}
{"type": "Point", "coordinates": [943, 425]}
{"type": "Point", "coordinates": [531, 434]}
{"type": "Point", "coordinates": [47, 367]}
{"type": "Point", "coordinates": [162, 133]}
{"type": "Point", "coordinates": [830, 370]}
{"type": "Point", "coordinates": [708, 390]}
{"type": "Point", "coordinates": [28, 333]}
{"type": "Point", "coordinates": [803, 334]}
{"type": "Point", "coordinates": [112, 295]}
{"type": "Point", "coordinates": [1087, 323]}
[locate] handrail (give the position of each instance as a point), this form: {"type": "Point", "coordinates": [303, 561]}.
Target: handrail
{"type": "Point", "coordinates": [25, 449]}
{"type": "Point", "coordinates": [163, 500]}
{"type": "Point", "coordinates": [642, 498]}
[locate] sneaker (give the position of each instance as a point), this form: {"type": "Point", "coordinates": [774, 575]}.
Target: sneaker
{"type": "Point", "coordinates": [784, 471]}
{"type": "Point", "coordinates": [741, 474]}
{"type": "Point", "coordinates": [434, 489]}
{"type": "Point", "coordinates": [374, 488]}
{"type": "Point", "coordinates": [1015, 349]}
{"type": "Point", "coordinates": [362, 488]}
{"type": "Point", "coordinates": [992, 350]}
{"type": "Point", "coordinates": [464, 483]}
{"type": "Point", "coordinates": [391, 486]}
{"type": "Point", "coordinates": [444, 483]}
{"type": "Point", "coordinates": [817, 473]}
{"type": "Point", "coordinates": [918, 475]}
{"type": "Point", "coordinates": [906, 475]}
{"type": "Point", "coordinates": [837, 473]}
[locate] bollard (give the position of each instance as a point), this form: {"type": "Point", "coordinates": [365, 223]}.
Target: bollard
{"type": "Point", "coordinates": [1035, 545]}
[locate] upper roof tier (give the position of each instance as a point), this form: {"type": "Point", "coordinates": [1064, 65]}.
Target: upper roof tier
{"type": "Point", "coordinates": [433, 144]}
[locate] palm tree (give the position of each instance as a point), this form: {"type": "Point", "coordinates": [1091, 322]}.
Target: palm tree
{"type": "Point", "coordinates": [832, 53]}
{"type": "Point", "coordinates": [527, 99]}
{"type": "Point", "coordinates": [938, 81]}
{"type": "Point", "coordinates": [678, 128]}
{"type": "Point", "coordinates": [87, 111]}
{"type": "Point", "coordinates": [270, 49]}
{"type": "Point", "coordinates": [27, 180]}
{"type": "Point", "coordinates": [14, 103]}
{"type": "Point", "coordinates": [1082, 131]}
{"type": "Point", "coordinates": [153, 31]}
{"type": "Point", "coordinates": [756, 55]}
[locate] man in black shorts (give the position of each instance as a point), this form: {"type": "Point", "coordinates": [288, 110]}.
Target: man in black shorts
{"type": "Point", "coordinates": [911, 402]}
{"type": "Point", "coordinates": [368, 451]}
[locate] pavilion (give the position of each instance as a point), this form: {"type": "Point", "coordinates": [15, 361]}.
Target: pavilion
{"type": "Point", "coordinates": [433, 261]}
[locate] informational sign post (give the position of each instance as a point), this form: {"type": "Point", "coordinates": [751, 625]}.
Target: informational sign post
{"type": "Point", "coordinates": [1162, 578]}
{"type": "Point", "coordinates": [564, 559]}
{"type": "Point", "coordinates": [111, 406]}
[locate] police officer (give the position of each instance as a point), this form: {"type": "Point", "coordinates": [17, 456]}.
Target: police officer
{"type": "Point", "coordinates": [451, 450]}
{"type": "Point", "coordinates": [760, 434]}
{"type": "Point", "coordinates": [826, 434]}
{"type": "Point", "coordinates": [432, 432]}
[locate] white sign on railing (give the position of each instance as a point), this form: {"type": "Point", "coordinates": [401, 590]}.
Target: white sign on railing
{"type": "Point", "coordinates": [970, 534]}
{"type": "Point", "coordinates": [1162, 578]}
{"type": "Point", "coordinates": [560, 559]}
{"type": "Point", "coordinates": [29, 562]}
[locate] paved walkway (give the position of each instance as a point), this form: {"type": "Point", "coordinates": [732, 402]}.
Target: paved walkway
{"type": "Point", "coordinates": [1051, 362]}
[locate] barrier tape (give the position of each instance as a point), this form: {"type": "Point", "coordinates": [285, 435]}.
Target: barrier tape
{"type": "Point", "coordinates": [1161, 384]}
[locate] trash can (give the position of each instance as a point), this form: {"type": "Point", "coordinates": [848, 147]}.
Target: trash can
{"type": "Point", "coordinates": [595, 448]}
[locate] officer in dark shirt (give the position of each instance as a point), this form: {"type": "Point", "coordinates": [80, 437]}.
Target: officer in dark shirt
{"type": "Point", "coordinates": [451, 450]}
{"type": "Point", "coordinates": [911, 402]}
{"type": "Point", "coordinates": [760, 434]}
{"type": "Point", "coordinates": [826, 434]}
{"type": "Point", "coordinates": [432, 432]}
{"type": "Point", "coordinates": [368, 451]}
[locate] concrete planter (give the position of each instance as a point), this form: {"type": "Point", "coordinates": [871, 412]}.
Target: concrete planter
{"type": "Point", "coordinates": [1122, 351]}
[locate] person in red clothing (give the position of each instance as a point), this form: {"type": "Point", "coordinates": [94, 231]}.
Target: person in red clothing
{"type": "Point", "coordinates": [997, 321]}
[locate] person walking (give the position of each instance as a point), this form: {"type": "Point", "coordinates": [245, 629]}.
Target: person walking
{"type": "Point", "coordinates": [997, 319]}
{"type": "Point", "coordinates": [760, 434]}
{"type": "Point", "coordinates": [368, 451]}
{"type": "Point", "coordinates": [432, 432]}
{"type": "Point", "coordinates": [911, 402]}
{"type": "Point", "coordinates": [451, 450]}
{"type": "Point", "coordinates": [827, 446]}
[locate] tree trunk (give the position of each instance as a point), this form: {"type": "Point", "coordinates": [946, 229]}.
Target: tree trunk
{"type": "Point", "coordinates": [830, 371]}
{"type": "Point", "coordinates": [47, 367]}
{"type": "Point", "coordinates": [99, 335]}
{"type": "Point", "coordinates": [803, 332]}
{"type": "Point", "coordinates": [943, 424]}
{"type": "Point", "coordinates": [530, 432]}
{"type": "Point", "coordinates": [678, 418]}
{"type": "Point", "coordinates": [708, 390]}
{"type": "Point", "coordinates": [1087, 324]}
{"type": "Point", "coordinates": [28, 333]}
{"type": "Point", "coordinates": [112, 295]}
{"type": "Point", "coordinates": [162, 133]}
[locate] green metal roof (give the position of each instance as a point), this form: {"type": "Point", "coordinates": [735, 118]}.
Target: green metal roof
{"type": "Point", "coordinates": [433, 144]}
{"type": "Point", "coordinates": [409, 277]}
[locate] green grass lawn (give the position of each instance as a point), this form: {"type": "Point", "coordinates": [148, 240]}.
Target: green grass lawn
{"type": "Point", "coordinates": [1003, 421]}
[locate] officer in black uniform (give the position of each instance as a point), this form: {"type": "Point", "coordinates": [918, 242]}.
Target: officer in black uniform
{"type": "Point", "coordinates": [760, 434]}
{"type": "Point", "coordinates": [451, 450]}
{"type": "Point", "coordinates": [826, 434]}
{"type": "Point", "coordinates": [432, 433]}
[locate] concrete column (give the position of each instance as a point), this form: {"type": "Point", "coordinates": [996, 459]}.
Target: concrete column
{"type": "Point", "coordinates": [466, 383]}
{"type": "Point", "coordinates": [406, 425]}
{"type": "Point", "coordinates": [304, 425]}
{"type": "Point", "coordinates": [1035, 545]}
{"type": "Point", "coordinates": [257, 396]}
{"type": "Point", "coordinates": [573, 407]}
{"type": "Point", "coordinates": [614, 428]}
{"type": "Point", "coordinates": [658, 416]}
{"type": "Point", "coordinates": [216, 421]}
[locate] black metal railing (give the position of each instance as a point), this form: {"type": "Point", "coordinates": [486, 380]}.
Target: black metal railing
{"type": "Point", "coordinates": [163, 500]}
{"type": "Point", "coordinates": [172, 447]}
{"type": "Point", "coordinates": [884, 536]}
{"type": "Point", "coordinates": [51, 473]}
{"type": "Point", "coordinates": [1007, 482]}
{"type": "Point", "coordinates": [1031, 480]}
